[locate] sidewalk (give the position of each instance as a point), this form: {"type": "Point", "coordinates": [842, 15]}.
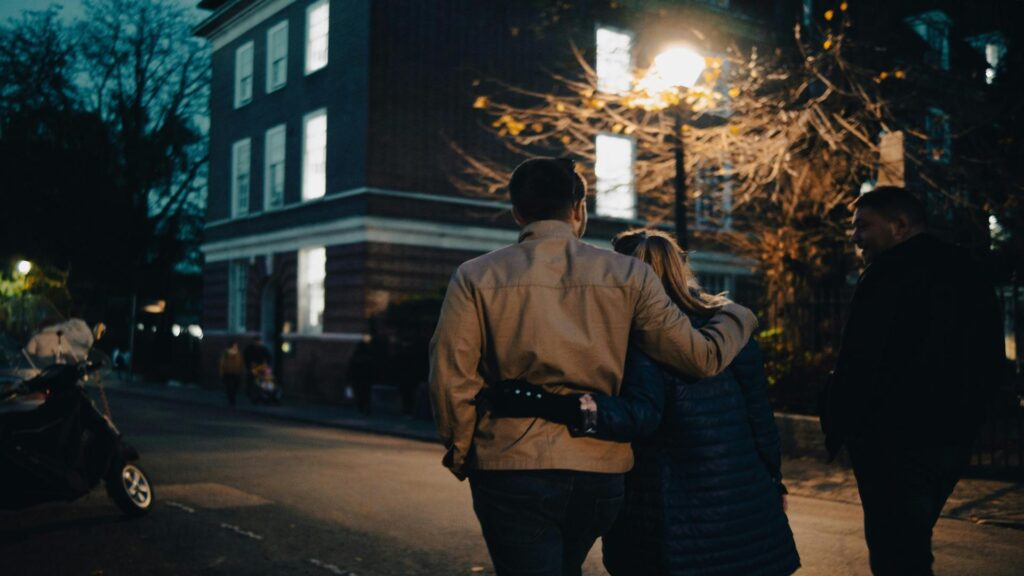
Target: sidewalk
{"type": "Point", "coordinates": [991, 502]}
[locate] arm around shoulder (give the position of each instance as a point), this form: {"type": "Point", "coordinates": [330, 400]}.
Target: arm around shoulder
{"type": "Point", "coordinates": [665, 332]}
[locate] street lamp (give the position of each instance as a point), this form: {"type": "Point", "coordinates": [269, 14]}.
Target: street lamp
{"type": "Point", "coordinates": [671, 75]}
{"type": "Point", "coordinates": [24, 267]}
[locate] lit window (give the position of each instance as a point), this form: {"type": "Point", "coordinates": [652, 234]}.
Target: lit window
{"type": "Point", "coordinates": [238, 289]}
{"type": "Point", "coordinates": [614, 61]}
{"type": "Point", "coordinates": [241, 168]}
{"type": "Point", "coordinates": [312, 272]}
{"type": "Point", "coordinates": [317, 27]}
{"type": "Point", "coordinates": [808, 12]}
{"type": "Point", "coordinates": [314, 155]}
{"type": "Point", "coordinates": [940, 138]}
{"type": "Point", "coordinates": [933, 27]}
{"type": "Point", "coordinates": [243, 75]}
{"type": "Point", "coordinates": [277, 56]}
{"type": "Point", "coordinates": [273, 172]}
{"type": "Point", "coordinates": [614, 171]}
{"type": "Point", "coordinates": [993, 47]}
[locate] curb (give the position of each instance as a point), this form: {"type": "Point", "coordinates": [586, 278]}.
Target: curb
{"type": "Point", "coordinates": [349, 425]}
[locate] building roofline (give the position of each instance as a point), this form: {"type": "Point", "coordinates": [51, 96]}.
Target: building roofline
{"type": "Point", "coordinates": [224, 12]}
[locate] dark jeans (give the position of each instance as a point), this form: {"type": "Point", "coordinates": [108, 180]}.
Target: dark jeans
{"type": "Point", "coordinates": [231, 383]}
{"type": "Point", "coordinates": [903, 490]}
{"type": "Point", "coordinates": [544, 522]}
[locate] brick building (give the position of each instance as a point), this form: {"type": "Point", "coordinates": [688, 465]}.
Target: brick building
{"type": "Point", "coordinates": [330, 196]}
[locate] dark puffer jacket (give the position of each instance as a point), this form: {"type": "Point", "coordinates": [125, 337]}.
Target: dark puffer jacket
{"type": "Point", "coordinates": [703, 497]}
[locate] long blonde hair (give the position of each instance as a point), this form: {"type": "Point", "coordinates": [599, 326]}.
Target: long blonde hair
{"type": "Point", "coordinates": [669, 261]}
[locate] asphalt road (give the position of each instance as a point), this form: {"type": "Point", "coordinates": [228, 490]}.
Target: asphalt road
{"type": "Point", "coordinates": [242, 494]}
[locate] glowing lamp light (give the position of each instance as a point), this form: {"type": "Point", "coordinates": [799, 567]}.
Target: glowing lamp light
{"type": "Point", "coordinates": [175, 330]}
{"type": "Point", "coordinates": [195, 331]}
{"type": "Point", "coordinates": [24, 267]}
{"type": "Point", "coordinates": [674, 68]}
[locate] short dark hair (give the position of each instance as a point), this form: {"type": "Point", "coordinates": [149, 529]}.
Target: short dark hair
{"type": "Point", "coordinates": [546, 188]}
{"type": "Point", "coordinates": [892, 202]}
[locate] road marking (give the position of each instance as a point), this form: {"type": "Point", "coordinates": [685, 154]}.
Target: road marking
{"type": "Point", "coordinates": [180, 506]}
{"type": "Point", "coordinates": [333, 569]}
{"type": "Point", "coordinates": [239, 530]}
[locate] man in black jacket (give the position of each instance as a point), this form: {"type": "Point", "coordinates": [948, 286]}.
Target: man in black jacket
{"type": "Point", "coordinates": [921, 351]}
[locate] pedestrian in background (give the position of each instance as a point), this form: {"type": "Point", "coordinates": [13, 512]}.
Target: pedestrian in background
{"type": "Point", "coordinates": [232, 370]}
{"type": "Point", "coordinates": [921, 353]}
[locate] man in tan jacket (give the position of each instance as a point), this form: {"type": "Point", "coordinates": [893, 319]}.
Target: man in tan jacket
{"type": "Point", "coordinates": [550, 310]}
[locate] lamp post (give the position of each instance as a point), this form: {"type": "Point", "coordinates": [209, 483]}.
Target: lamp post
{"type": "Point", "coordinates": [671, 75]}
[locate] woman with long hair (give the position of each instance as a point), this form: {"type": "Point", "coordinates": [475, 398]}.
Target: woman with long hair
{"type": "Point", "coordinates": [705, 495]}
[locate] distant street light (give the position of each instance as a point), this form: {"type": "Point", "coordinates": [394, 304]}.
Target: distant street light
{"type": "Point", "coordinates": [24, 267]}
{"type": "Point", "coordinates": [673, 73]}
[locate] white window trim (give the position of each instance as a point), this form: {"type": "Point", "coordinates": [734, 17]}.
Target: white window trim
{"type": "Point", "coordinates": [279, 129]}
{"type": "Point", "coordinates": [235, 148]}
{"type": "Point", "coordinates": [305, 125]}
{"type": "Point", "coordinates": [303, 300]}
{"type": "Point", "coordinates": [270, 56]}
{"type": "Point", "coordinates": [238, 273]}
{"type": "Point", "coordinates": [250, 47]}
{"type": "Point", "coordinates": [308, 49]}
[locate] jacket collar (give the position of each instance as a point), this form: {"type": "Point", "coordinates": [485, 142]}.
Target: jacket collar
{"type": "Point", "coordinates": [910, 249]}
{"type": "Point", "coordinates": [546, 229]}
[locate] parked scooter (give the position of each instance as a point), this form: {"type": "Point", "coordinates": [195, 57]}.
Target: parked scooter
{"type": "Point", "coordinates": [55, 445]}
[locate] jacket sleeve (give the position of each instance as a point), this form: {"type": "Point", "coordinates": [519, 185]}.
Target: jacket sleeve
{"type": "Point", "coordinates": [637, 411]}
{"type": "Point", "coordinates": [662, 330]}
{"type": "Point", "coordinates": [749, 371]}
{"type": "Point", "coordinates": [851, 391]}
{"type": "Point", "coordinates": [455, 354]}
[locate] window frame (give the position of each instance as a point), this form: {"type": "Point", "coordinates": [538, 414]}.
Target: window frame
{"type": "Point", "coordinates": [267, 165]}
{"type": "Point", "coordinates": [308, 51]}
{"type": "Point", "coordinates": [597, 59]}
{"type": "Point", "coordinates": [632, 215]}
{"type": "Point", "coordinates": [238, 296]}
{"type": "Point", "coordinates": [305, 151]}
{"type": "Point", "coordinates": [303, 299]}
{"type": "Point", "coordinates": [236, 211]}
{"type": "Point", "coordinates": [249, 47]}
{"type": "Point", "coordinates": [271, 87]}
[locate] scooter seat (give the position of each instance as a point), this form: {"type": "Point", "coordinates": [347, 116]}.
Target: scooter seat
{"type": "Point", "coordinates": [23, 403]}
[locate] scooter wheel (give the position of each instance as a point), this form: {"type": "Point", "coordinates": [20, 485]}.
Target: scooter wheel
{"type": "Point", "coordinates": [129, 488]}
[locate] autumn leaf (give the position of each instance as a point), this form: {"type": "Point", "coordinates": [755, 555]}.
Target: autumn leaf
{"type": "Point", "coordinates": [560, 107]}
{"type": "Point", "coordinates": [565, 140]}
{"type": "Point", "coordinates": [843, 7]}
{"type": "Point", "coordinates": [480, 102]}
{"type": "Point", "coordinates": [829, 14]}
{"type": "Point", "coordinates": [617, 128]}
{"type": "Point", "coordinates": [537, 127]}
{"type": "Point", "coordinates": [734, 92]}
{"type": "Point", "coordinates": [827, 44]}
{"type": "Point", "coordinates": [900, 74]}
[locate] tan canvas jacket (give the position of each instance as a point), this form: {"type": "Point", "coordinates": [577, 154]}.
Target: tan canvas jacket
{"type": "Point", "coordinates": [554, 309]}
